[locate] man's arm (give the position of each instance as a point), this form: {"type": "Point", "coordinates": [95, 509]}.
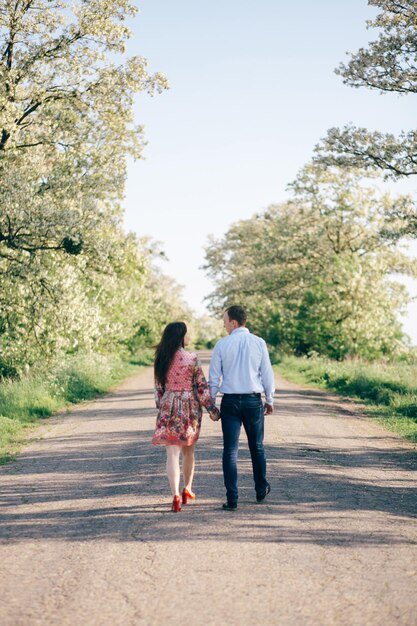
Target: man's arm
{"type": "Point", "coordinates": [215, 372]}
{"type": "Point", "coordinates": [268, 378]}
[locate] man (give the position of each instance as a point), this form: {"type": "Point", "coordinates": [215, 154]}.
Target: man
{"type": "Point", "coordinates": [241, 369]}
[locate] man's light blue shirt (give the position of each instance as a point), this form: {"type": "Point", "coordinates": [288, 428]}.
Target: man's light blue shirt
{"type": "Point", "coordinates": [241, 364]}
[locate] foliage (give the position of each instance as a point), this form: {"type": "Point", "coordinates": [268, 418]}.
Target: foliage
{"type": "Point", "coordinates": [315, 273]}
{"type": "Point", "coordinates": [69, 305]}
{"type": "Point", "coordinates": [66, 123]}
{"type": "Point", "coordinates": [205, 330]}
{"type": "Point", "coordinates": [161, 303]}
{"type": "Point", "coordinates": [389, 64]}
{"type": "Point", "coordinates": [389, 387]}
{"type": "Point", "coordinates": [358, 147]}
{"type": "Point", "coordinates": [71, 279]}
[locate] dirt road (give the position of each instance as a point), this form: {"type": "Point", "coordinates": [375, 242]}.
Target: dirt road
{"type": "Point", "coordinates": [87, 536]}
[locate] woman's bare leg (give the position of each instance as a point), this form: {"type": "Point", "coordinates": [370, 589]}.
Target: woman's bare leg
{"type": "Point", "coordinates": [173, 468]}
{"type": "Point", "coordinates": [188, 464]}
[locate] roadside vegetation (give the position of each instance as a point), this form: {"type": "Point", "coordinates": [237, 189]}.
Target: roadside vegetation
{"type": "Point", "coordinates": [389, 390]}
{"type": "Point", "coordinates": [39, 394]}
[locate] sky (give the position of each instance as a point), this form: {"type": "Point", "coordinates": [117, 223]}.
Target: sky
{"type": "Point", "coordinates": [252, 91]}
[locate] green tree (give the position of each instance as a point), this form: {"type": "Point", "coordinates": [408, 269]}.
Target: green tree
{"type": "Point", "coordinates": [388, 64]}
{"type": "Point", "coordinates": [70, 278]}
{"type": "Point", "coordinates": [316, 273]}
{"type": "Point", "coordinates": [66, 123]}
{"type": "Point", "coordinates": [67, 304]}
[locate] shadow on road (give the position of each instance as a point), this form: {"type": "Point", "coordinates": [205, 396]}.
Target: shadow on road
{"type": "Point", "coordinates": [112, 486]}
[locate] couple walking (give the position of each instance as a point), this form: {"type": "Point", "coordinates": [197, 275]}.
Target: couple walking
{"type": "Point", "coordinates": [240, 368]}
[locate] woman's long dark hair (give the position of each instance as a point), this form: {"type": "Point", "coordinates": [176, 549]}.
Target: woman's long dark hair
{"type": "Point", "coordinates": [172, 339]}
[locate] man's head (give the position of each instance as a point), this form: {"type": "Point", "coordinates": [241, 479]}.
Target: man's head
{"type": "Point", "coordinates": [234, 317]}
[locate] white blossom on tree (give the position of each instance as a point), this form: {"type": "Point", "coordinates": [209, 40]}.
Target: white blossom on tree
{"type": "Point", "coordinates": [388, 64]}
{"type": "Point", "coordinates": [66, 121]}
{"type": "Point", "coordinates": [71, 279]}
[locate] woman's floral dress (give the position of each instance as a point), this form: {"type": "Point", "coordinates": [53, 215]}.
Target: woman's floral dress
{"type": "Point", "coordinates": [180, 402]}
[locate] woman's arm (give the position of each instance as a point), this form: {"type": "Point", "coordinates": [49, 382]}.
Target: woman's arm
{"type": "Point", "coordinates": [159, 392]}
{"type": "Point", "coordinates": [202, 391]}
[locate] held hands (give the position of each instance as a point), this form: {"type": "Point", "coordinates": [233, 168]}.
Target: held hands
{"type": "Point", "coordinates": [215, 415]}
{"type": "Point", "coordinates": [268, 409]}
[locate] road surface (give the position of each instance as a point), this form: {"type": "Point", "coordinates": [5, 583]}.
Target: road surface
{"type": "Point", "coordinates": [87, 536]}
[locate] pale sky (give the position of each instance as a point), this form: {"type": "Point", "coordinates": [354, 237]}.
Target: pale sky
{"type": "Point", "coordinates": [253, 90]}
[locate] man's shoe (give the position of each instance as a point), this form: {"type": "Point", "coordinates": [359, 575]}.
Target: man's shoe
{"type": "Point", "coordinates": [262, 498]}
{"type": "Point", "coordinates": [229, 506]}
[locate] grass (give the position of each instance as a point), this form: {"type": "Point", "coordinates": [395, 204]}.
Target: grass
{"type": "Point", "coordinates": [389, 390]}
{"type": "Point", "coordinates": [38, 395]}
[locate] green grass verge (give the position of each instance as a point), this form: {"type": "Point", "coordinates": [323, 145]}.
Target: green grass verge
{"type": "Point", "coordinates": [38, 395]}
{"type": "Point", "coordinates": [389, 390]}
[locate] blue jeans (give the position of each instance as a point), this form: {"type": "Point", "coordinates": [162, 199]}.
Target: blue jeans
{"type": "Point", "coordinates": [246, 409]}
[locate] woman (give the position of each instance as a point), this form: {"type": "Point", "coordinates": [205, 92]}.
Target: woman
{"type": "Point", "coordinates": [181, 391]}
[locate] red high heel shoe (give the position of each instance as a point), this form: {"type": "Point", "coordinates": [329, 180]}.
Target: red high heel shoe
{"type": "Point", "coordinates": [176, 504]}
{"type": "Point", "coordinates": [187, 494]}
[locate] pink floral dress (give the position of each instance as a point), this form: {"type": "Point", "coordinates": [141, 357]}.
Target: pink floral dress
{"type": "Point", "coordinates": [180, 402]}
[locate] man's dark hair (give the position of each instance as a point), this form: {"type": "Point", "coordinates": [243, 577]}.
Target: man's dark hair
{"type": "Point", "coordinates": [237, 313]}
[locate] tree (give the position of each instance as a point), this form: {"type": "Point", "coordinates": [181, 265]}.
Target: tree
{"type": "Point", "coordinates": [389, 64]}
{"type": "Point", "coordinates": [70, 278]}
{"type": "Point", "coordinates": [67, 305]}
{"type": "Point", "coordinates": [66, 123]}
{"type": "Point", "coordinates": [316, 273]}
{"type": "Point", "coordinates": [205, 330]}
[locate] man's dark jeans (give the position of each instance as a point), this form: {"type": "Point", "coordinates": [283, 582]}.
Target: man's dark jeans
{"type": "Point", "coordinates": [246, 409]}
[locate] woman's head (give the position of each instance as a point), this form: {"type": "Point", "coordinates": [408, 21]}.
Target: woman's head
{"type": "Point", "coordinates": [173, 338]}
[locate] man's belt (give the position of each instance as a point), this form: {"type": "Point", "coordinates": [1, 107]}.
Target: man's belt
{"type": "Point", "coordinates": [242, 395]}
